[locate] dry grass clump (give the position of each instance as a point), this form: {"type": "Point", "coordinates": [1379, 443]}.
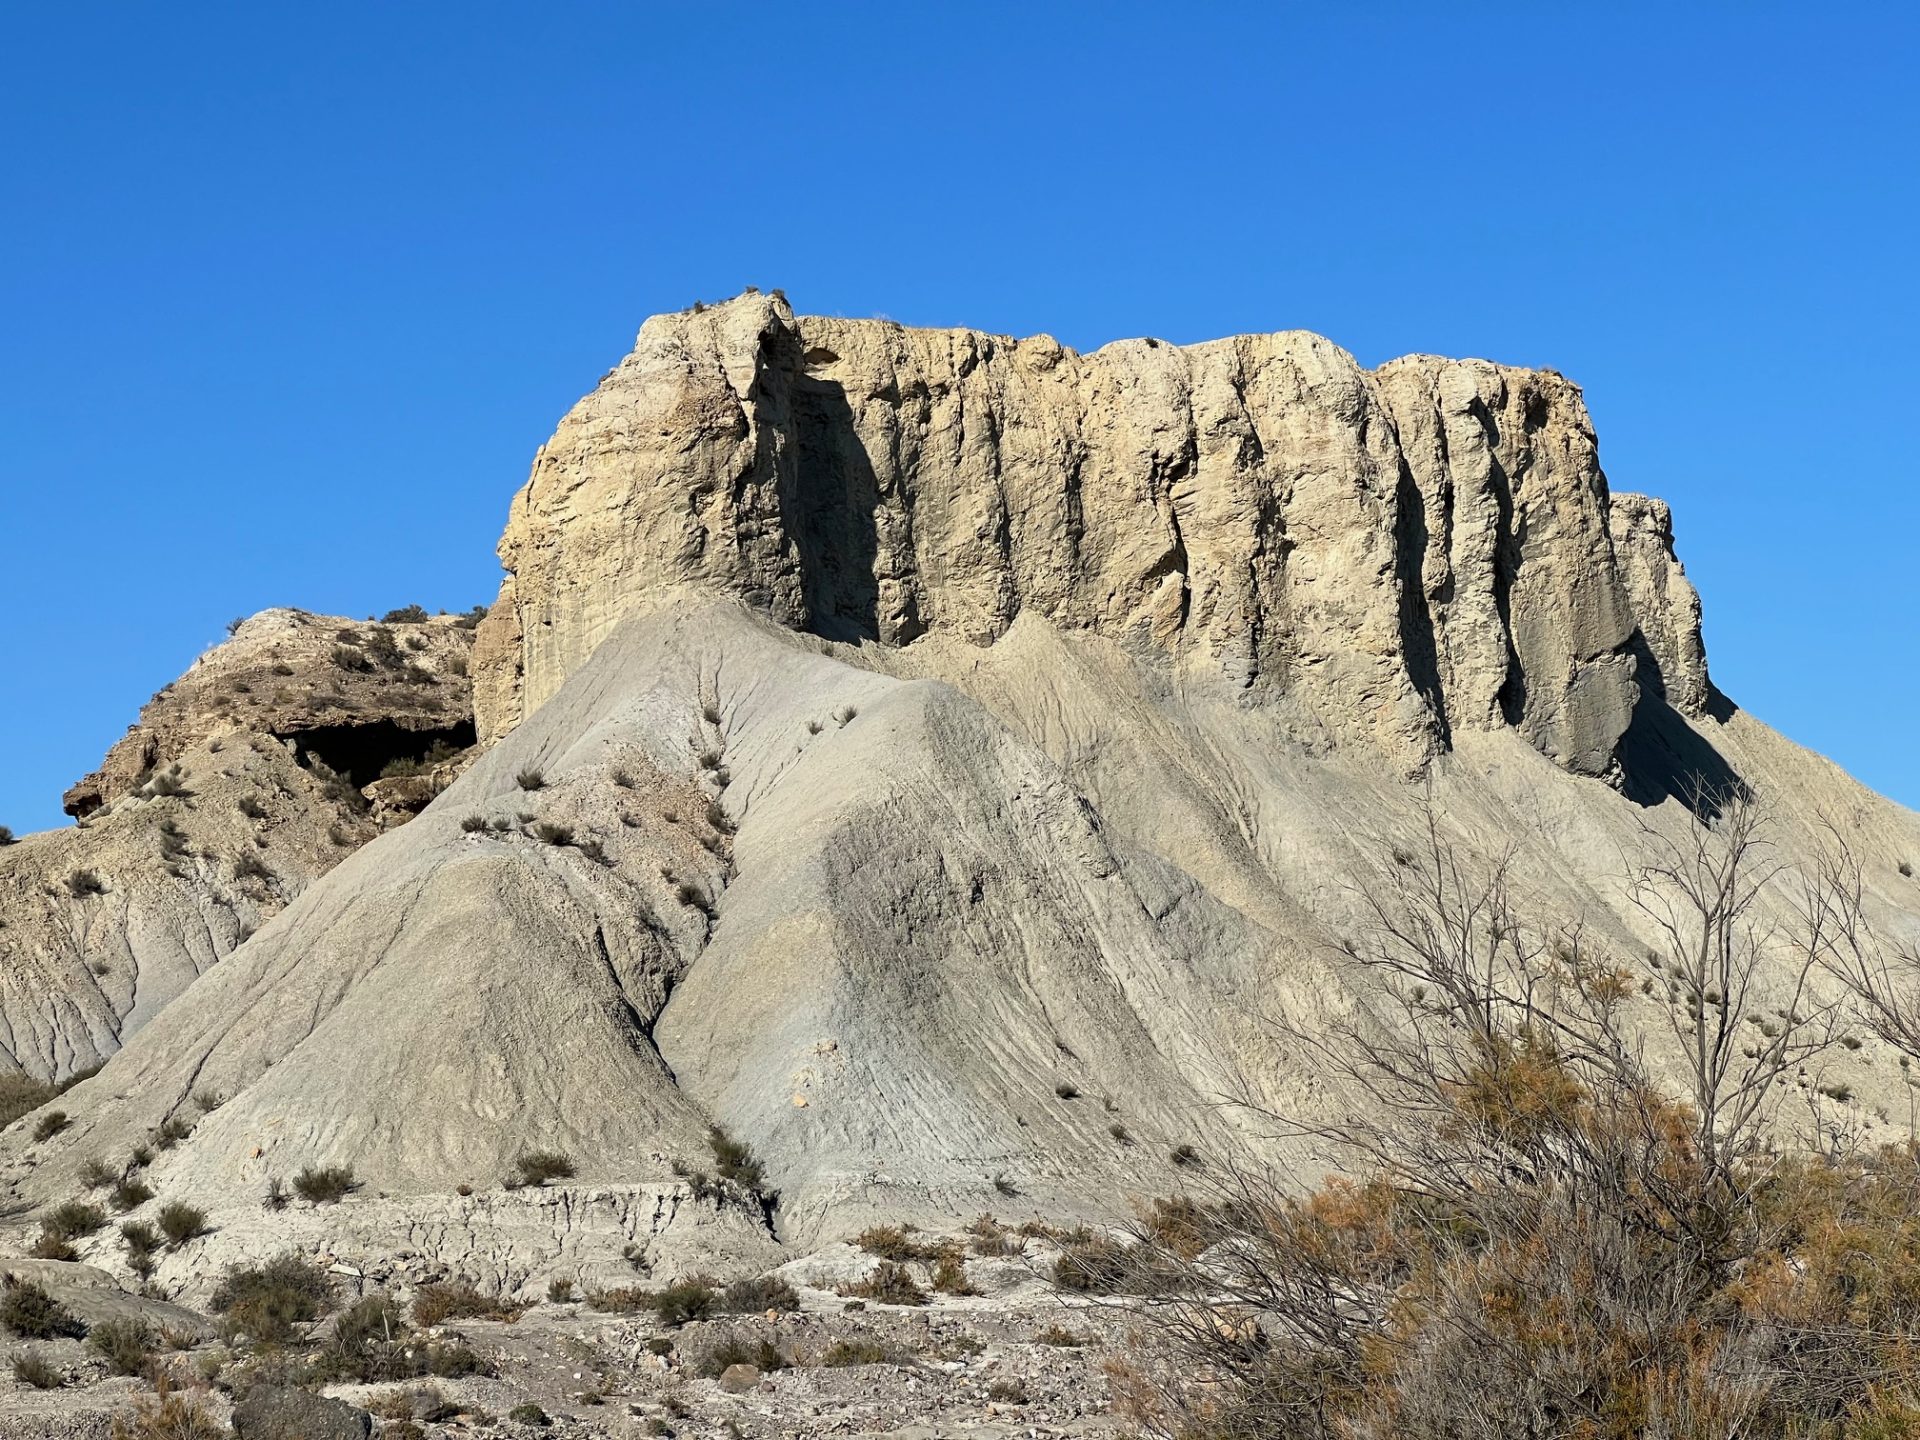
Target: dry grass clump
{"type": "Point", "coordinates": [864, 1350]}
{"type": "Point", "coordinates": [35, 1371]}
{"type": "Point", "coordinates": [436, 1304]}
{"type": "Point", "coordinates": [126, 1345]}
{"type": "Point", "coordinates": [325, 1185]}
{"type": "Point", "coordinates": [893, 1242]}
{"type": "Point", "coordinates": [890, 1284]}
{"type": "Point", "coordinates": [537, 1167]}
{"type": "Point", "coordinates": [29, 1312]}
{"type": "Point", "coordinates": [267, 1302]}
{"type": "Point", "coordinates": [990, 1238]}
{"type": "Point", "coordinates": [168, 1414]}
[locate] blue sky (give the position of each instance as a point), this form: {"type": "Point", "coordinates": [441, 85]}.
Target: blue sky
{"type": "Point", "coordinates": [290, 294]}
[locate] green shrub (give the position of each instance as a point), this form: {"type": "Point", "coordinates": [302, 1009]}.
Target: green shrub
{"type": "Point", "coordinates": [28, 1311]}
{"type": "Point", "coordinates": [94, 1173]}
{"type": "Point", "coordinates": [528, 1413]}
{"type": "Point", "coordinates": [126, 1345]}
{"type": "Point", "coordinates": [405, 615]}
{"type": "Point", "coordinates": [324, 1185]}
{"type": "Point", "coordinates": [350, 658]}
{"type": "Point", "coordinates": [6, 835]}
{"type": "Point", "coordinates": [181, 1223]}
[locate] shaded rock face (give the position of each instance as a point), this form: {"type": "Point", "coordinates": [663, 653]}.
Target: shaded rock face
{"type": "Point", "coordinates": [1381, 558]}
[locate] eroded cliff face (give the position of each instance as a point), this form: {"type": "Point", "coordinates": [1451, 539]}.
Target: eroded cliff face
{"type": "Point", "coordinates": [1381, 557]}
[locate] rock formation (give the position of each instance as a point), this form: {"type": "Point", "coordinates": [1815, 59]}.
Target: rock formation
{"type": "Point", "coordinates": [1381, 558]}
{"type": "Point", "coordinates": [242, 782]}
{"type": "Point", "coordinates": [937, 758]}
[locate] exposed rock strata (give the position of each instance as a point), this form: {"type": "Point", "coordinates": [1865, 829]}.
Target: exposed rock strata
{"type": "Point", "coordinates": [1381, 558]}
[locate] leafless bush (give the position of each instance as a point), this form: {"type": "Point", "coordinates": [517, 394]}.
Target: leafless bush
{"type": "Point", "coordinates": [1538, 1237]}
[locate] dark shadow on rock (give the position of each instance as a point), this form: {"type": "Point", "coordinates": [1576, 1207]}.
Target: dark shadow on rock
{"type": "Point", "coordinates": [831, 505]}
{"type": "Point", "coordinates": [1662, 757]}
{"type": "Point", "coordinates": [1417, 642]}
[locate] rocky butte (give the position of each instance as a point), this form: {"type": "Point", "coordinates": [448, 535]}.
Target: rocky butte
{"type": "Point", "coordinates": [935, 758]}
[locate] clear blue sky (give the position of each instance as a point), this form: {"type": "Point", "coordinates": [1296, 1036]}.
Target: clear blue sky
{"type": "Point", "coordinates": [289, 294]}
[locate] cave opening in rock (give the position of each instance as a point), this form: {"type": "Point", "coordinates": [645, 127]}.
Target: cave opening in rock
{"type": "Point", "coordinates": [361, 752]}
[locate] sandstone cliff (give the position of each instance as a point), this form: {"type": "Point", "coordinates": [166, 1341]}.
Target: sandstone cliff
{"type": "Point", "coordinates": [1379, 558]}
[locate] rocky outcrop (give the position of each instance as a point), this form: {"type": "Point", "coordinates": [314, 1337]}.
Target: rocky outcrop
{"type": "Point", "coordinates": [1673, 663]}
{"type": "Point", "coordinates": [1379, 558]}
{"type": "Point", "coordinates": [244, 780]}
{"type": "Point", "coordinates": [356, 695]}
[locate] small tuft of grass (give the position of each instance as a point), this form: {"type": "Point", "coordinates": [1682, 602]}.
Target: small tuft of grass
{"type": "Point", "coordinates": [50, 1125]}
{"type": "Point", "coordinates": [126, 1345]}
{"type": "Point", "coordinates": [1184, 1155]}
{"type": "Point", "coordinates": [474, 824]}
{"type": "Point", "coordinates": [1059, 1337]}
{"type": "Point", "coordinates": [1067, 1091]}
{"type": "Point", "coordinates": [889, 1284]}
{"type": "Point", "coordinates": [32, 1369]}
{"type": "Point", "coordinates": [892, 1242]}
{"type": "Point", "coordinates": [130, 1194]}
{"type": "Point", "coordinates": [73, 1219]}
{"type": "Point", "coordinates": [436, 1304]}
{"type": "Point", "coordinates": [863, 1351]}
{"type": "Point", "coordinates": [181, 1222]}
{"type": "Point", "coordinates": [530, 780]}
{"type": "Point", "coordinates": [171, 1131]}
{"type": "Point", "coordinates": [548, 833]}
{"type": "Point", "coordinates": [325, 1185]}
{"type": "Point", "coordinates": [539, 1166]}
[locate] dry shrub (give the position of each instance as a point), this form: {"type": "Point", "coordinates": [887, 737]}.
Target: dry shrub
{"type": "Point", "coordinates": [168, 1414]}
{"type": "Point", "coordinates": [889, 1283]}
{"type": "Point", "coordinates": [436, 1304]}
{"type": "Point", "coordinates": [1536, 1239]}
